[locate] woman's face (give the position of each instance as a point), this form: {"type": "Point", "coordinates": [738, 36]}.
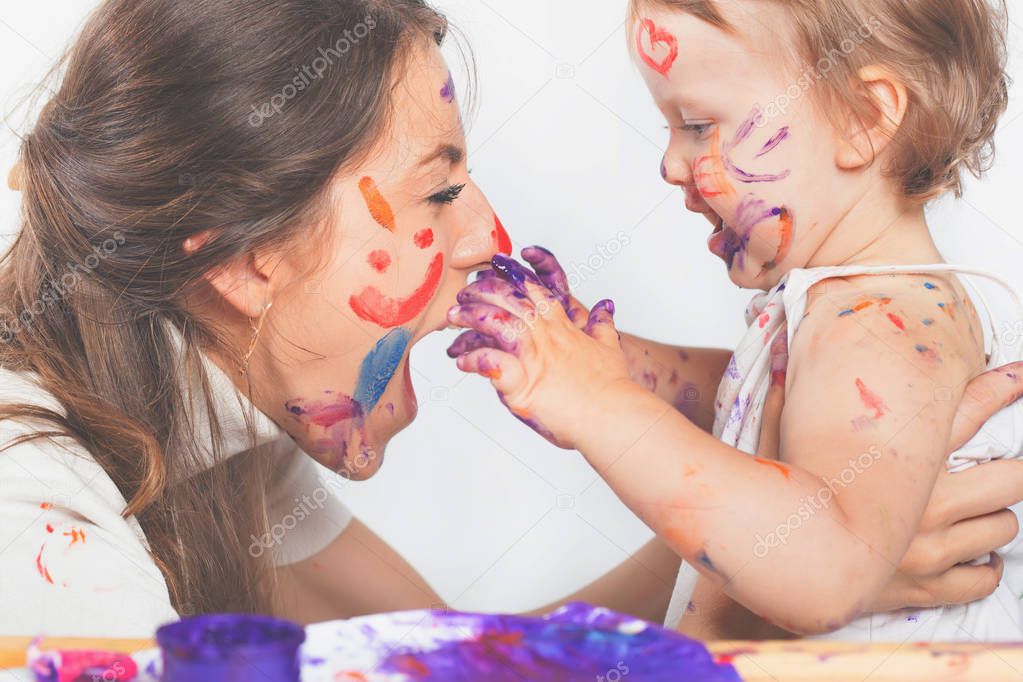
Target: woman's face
{"type": "Point", "coordinates": [409, 227]}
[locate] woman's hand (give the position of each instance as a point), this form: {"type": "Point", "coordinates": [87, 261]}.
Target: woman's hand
{"type": "Point", "coordinates": [967, 516]}
{"type": "Point", "coordinates": [544, 354]}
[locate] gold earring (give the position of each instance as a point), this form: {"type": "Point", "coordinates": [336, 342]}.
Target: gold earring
{"type": "Point", "coordinates": [255, 336]}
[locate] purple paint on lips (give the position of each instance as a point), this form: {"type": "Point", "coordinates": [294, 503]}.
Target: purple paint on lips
{"type": "Point", "coordinates": [221, 648]}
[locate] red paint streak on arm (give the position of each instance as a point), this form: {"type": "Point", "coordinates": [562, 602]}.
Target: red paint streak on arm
{"type": "Point", "coordinates": [377, 205]}
{"type": "Point", "coordinates": [373, 306]}
{"type": "Point", "coordinates": [897, 321]}
{"type": "Point", "coordinates": [871, 399]}
{"type": "Point", "coordinates": [785, 471]}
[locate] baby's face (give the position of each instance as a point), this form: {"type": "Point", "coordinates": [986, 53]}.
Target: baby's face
{"type": "Point", "coordinates": [747, 145]}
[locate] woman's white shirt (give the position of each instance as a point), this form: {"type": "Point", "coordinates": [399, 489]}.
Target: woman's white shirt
{"type": "Point", "coordinates": [71, 565]}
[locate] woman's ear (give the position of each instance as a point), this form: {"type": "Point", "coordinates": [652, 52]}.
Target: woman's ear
{"type": "Point", "coordinates": [884, 102]}
{"type": "Point", "coordinates": [245, 282]}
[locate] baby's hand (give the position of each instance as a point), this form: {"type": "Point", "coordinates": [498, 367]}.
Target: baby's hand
{"type": "Point", "coordinates": [547, 369]}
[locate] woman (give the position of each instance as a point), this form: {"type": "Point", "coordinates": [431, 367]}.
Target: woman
{"type": "Point", "coordinates": [238, 217]}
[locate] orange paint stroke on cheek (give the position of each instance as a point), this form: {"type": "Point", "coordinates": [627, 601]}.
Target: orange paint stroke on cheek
{"type": "Point", "coordinates": [713, 182]}
{"type": "Point", "coordinates": [373, 306]}
{"type": "Point", "coordinates": [377, 205]}
{"type": "Point", "coordinates": [785, 471]}
{"type": "Point", "coordinates": [786, 234]}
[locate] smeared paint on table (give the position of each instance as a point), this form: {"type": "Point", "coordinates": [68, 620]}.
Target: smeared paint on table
{"type": "Point", "coordinates": [793, 661]}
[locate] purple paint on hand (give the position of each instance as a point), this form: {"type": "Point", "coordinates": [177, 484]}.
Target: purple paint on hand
{"type": "Point", "coordinates": [551, 274]}
{"type": "Point", "coordinates": [513, 271]}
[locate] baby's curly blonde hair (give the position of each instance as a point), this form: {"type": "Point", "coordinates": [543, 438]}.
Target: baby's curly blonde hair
{"type": "Point", "coordinates": [950, 54]}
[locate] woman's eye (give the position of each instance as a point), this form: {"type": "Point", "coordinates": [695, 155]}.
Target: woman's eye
{"type": "Point", "coordinates": [448, 195]}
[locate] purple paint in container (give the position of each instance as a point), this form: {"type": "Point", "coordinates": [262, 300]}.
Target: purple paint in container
{"type": "Point", "coordinates": [231, 648]}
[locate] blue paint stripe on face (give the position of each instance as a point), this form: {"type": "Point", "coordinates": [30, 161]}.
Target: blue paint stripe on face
{"type": "Point", "coordinates": [379, 367]}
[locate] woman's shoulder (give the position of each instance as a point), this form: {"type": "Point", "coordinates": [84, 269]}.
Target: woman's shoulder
{"type": "Point", "coordinates": [64, 537]}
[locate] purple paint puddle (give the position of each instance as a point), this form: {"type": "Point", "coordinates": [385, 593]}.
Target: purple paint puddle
{"type": "Point", "coordinates": [577, 642]}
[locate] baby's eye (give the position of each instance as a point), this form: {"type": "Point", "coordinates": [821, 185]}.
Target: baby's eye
{"type": "Point", "coordinates": [448, 195]}
{"type": "Point", "coordinates": [699, 128]}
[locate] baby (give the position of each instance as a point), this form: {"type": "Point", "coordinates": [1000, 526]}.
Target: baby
{"type": "Point", "coordinates": [811, 135]}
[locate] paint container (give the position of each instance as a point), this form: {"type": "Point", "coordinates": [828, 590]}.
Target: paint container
{"type": "Point", "coordinates": [230, 648]}
{"type": "Point", "coordinates": [72, 666]}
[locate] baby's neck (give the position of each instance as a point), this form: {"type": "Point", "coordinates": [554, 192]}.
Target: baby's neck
{"type": "Point", "coordinates": [879, 231]}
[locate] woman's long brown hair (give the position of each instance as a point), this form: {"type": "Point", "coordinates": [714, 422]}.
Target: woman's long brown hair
{"type": "Point", "coordinates": [174, 117]}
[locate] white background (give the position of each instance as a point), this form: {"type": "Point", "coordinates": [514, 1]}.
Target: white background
{"type": "Point", "coordinates": [567, 145]}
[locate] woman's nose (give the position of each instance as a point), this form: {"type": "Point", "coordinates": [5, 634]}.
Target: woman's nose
{"type": "Point", "coordinates": [484, 235]}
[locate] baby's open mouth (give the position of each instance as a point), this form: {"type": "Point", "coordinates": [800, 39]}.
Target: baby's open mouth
{"type": "Point", "coordinates": [719, 226]}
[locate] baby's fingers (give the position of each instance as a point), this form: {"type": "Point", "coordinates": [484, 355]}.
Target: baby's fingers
{"type": "Point", "coordinates": [490, 320]}
{"type": "Point", "coordinates": [499, 292]}
{"type": "Point", "coordinates": [503, 369]}
{"type": "Point", "coordinates": [470, 341]}
{"type": "Point", "coordinates": [550, 272]}
{"type": "Point", "coordinates": [601, 324]}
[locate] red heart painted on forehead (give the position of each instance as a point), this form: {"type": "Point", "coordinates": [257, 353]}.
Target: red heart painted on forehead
{"type": "Point", "coordinates": [659, 37]}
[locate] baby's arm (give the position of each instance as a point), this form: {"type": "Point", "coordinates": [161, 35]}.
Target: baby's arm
{"type": "Point", "coordinates": [686, 378]}
{"type": "Point", "coordinates": [864, 389]}
{"type": "Point", "coordinates": [808, 543]}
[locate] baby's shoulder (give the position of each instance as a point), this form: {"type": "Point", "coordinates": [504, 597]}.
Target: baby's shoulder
{"type": "Point", "coordinates": [925, 320]}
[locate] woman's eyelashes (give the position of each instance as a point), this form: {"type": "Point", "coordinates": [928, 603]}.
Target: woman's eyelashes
{"type": "Point", "coordinates": [447, 196]}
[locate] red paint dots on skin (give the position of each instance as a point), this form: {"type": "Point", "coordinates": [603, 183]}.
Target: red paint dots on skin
{"type": "Point", "coordinates": [764, 319]}
{"type": "Point", "coordinates": [897, 321]}
{"type": "Point", "coordinates": [423, 239]}
{"type": "Point", "coordinates": [46, 505]}
{"type": "Point", "coordinates": [500, 236]}
{"type": "Point", "coordinates": [377, 205]}
{"type": "Point", "coordinates": [785, 471]}
{"type": "Point", "coordinates": [49, 528]}
{"type": "Point", "coordinates": [379, 260]}
{"type": "Point", "coordinates": [871, 399]}
{"type": "Point", "coordinates": [494, 373]}
{"type": "Point", "coordinates": [373, 306]}
{"type": "Point", "coordinates": [659, 39]}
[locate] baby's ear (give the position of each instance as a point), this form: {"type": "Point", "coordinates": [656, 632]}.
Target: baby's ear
{"type": "Point", "coordinates": [882, 105]}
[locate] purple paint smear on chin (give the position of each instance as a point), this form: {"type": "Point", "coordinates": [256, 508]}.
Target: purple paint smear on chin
{"type": "Point", "coordinates": [577, 642]}
{"type": "Point", "coordinates": [751, 212]}
{"type": "Point", "coordinates": [219, 648]}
